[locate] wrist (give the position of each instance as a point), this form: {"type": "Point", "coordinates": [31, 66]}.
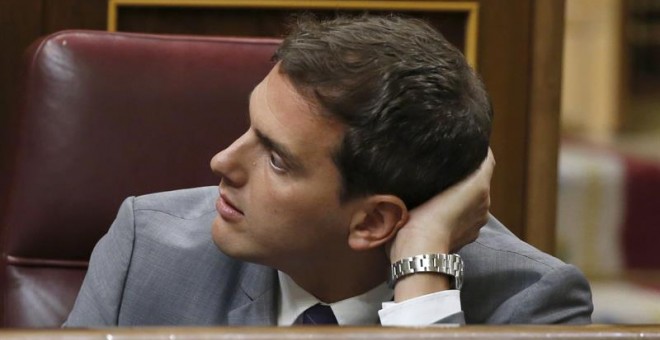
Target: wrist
{"type": "Point", "coordinates": [413, 286]}
{"type": "Point", "coordinates": [407, 245]}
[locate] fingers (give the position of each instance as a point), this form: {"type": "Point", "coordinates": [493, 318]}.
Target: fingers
{"type": "Point", "coordinates": [490, 167]}
{"type": "Point", "coordinates": [484, 174]}
{"type": "Point", "coordinates": [487, 166]}
{"type": "Point", "coordinates": [480, 179]}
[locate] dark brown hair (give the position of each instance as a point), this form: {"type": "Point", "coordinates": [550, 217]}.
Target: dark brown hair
{"type": "Point", "coordinates": [418, 118]}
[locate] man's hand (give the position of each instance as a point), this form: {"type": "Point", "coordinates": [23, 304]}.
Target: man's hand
{"type": "Point", "coordinates": [444, 224]}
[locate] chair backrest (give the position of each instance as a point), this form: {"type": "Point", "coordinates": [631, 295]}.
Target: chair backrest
{"type": "Point", "coordinates": [103, 116]}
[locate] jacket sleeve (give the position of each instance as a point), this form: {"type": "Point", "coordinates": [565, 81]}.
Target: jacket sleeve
{"type": "Point", "coordinates": [99, 300]}
{"type": "Point", "coordinates": [560, 296]}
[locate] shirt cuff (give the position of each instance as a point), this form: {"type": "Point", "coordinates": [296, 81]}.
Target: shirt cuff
{"type": "Point", "coordinates": [421, 311]}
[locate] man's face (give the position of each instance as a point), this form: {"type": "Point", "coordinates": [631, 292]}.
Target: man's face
{"type": "Point", "coordinates": [280, 189]}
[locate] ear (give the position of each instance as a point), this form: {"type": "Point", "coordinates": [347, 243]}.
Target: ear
{"type": "Point", "coordinates": [377, 221]}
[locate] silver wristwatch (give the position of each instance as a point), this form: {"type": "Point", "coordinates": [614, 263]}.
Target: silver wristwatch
{"type": "Point", "coordinates": [448, 264]}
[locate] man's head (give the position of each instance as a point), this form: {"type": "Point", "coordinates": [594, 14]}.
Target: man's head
{"type": "Point", "coordinates": [360, 120]}
{"type": "Point", "coordinates": [418, 118]}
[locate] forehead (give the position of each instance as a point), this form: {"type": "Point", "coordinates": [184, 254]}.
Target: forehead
{"type": "Point", "coordinates": [278, 110]}
{"type": "Point", "coordinates": [278, 98]}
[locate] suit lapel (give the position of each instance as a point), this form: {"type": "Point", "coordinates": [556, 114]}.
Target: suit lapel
{"type": "Point", "coordinates": [257, 300]}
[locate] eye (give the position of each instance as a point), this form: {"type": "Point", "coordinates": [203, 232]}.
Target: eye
{"type": "Point", "coordinates": [277, 163]}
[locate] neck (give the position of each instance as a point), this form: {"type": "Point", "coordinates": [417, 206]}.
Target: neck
{"type": "Point", "coordinates": [335, 279]}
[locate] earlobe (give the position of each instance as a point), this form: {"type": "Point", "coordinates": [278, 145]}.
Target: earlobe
{"type": "Point", "coordinates": [378, 222]}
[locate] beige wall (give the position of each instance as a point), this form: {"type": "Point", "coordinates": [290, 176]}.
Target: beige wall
{"type": "Point", "coordinates": [592, 68]}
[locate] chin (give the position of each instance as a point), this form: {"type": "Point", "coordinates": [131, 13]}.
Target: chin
{"type": "Point", "coordinates": [230, 242]}
{"type": "Point", "coordinates": [222, 237]}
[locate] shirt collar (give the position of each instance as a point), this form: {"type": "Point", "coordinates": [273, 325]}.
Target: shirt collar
{"type": "Point", "coordinates": [358, 310]}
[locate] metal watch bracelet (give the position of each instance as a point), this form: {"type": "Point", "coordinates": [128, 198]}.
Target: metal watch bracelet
{"type": "Point", "coordinates": [448, 264]}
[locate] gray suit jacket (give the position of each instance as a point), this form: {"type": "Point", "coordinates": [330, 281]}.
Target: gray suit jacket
{"type": "Point", "coordinates": [158, 265]}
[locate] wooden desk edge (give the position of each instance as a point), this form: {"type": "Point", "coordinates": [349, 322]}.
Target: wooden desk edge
{"type": "Point", "coordinates": [618, 332]}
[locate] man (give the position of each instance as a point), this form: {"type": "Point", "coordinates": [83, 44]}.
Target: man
{"type": "Point", "coordinates": [360, 121]}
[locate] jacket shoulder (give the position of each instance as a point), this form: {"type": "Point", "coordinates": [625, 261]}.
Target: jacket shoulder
{"type": "Point", "coordinates": [496, 243]}
{"type": "Point", "coordinates": [185, 203]}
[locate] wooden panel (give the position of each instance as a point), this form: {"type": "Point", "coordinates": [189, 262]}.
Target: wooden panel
{"type": "Point", "coordinates": [20, 23]}
{"type": "Point", "coordinates": [74, 14]}
{"type": "Point", "coordinates": [255, 22]}
{"type": "Point", "coordinates": [544, 108]}
{"type": "Point", "coordinates": [457, 19]}
{"type": "Point", "coordinates": [504, 56]}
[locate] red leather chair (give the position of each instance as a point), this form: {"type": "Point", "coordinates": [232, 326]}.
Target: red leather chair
{"type": "Point", "coordinates": [103, 116]}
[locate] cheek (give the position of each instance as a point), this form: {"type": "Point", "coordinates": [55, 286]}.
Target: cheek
{"type": "Point", "coordinates": [295, 201]}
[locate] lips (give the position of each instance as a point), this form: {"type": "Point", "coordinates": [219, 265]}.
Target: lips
{"type": "Point", "coordinates": [227, 210]}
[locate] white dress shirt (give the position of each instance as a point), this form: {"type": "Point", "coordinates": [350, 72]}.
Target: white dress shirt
{"type": "Point", "coordinates": [368, 308]}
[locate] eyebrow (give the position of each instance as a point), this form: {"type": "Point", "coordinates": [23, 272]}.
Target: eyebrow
{"type": "Point", "coordinates": [292, 161]}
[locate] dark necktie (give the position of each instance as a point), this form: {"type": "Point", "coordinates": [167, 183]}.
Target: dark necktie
{"type": "Point", "coordinates": [319, 315]}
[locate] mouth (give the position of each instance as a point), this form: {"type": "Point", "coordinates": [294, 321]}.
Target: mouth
{"type": "Point", "coordinates": [227, 210]}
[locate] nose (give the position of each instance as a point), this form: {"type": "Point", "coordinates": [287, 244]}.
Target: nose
{"type": "Point", "coordinates": [230, 163]}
